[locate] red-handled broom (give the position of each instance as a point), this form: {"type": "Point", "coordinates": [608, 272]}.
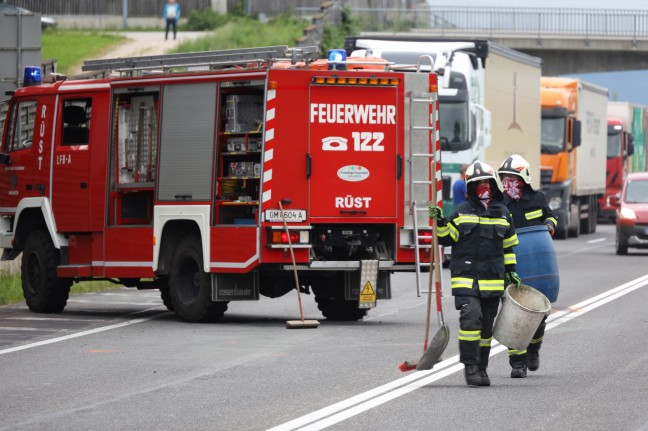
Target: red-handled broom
{"type": "Point", "coordinates": [433, 351]}
{"type": "Point", "coordinates": [301, 323]}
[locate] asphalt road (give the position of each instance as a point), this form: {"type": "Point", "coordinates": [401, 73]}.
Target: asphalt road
{"type": "Point", "coordinates": [118, 360]}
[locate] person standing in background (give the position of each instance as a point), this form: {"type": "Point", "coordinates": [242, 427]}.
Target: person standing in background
{"type": "Point", "coordinates": [459, 187]}
{"type": "Point", "coordinates": [171, 16]}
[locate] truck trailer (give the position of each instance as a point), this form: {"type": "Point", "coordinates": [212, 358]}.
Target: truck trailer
{"type": "Point", "coordinates": [574, 146]}
{"type": "Point", "coordinates": [222, 176]}
{"type": "Point", "coordinates": [489, 97]}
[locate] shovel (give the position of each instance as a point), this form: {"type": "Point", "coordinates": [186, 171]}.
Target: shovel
{"type": "Point", "coordinates": [432, 351]}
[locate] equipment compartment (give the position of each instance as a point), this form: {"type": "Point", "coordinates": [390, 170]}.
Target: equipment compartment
{"type": "Point", "coordinates": [244, 113]}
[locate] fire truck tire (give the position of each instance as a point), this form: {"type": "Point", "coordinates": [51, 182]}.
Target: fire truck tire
{"type": "Point", "coordinates": [190, 286]}
{"type": "Point", "coordinates": [336, 308]}
{"type": "Point", "coordinates": [43, 291]}
{"type": "Point", "coordinates": [166, 298]}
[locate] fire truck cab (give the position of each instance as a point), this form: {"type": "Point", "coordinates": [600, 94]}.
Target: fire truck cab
{"type": "Point", "coordinates": [221, 176]}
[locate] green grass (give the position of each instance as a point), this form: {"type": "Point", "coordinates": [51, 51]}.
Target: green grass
{"type": "Point", "coordinates": [11, 288]}
{"type": "Point", "coordinates": [242, 32]}
{"type": "Point", "coordinates": [71, 47]}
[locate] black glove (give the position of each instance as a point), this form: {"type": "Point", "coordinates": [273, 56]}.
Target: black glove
{"type": "Point", "coordinates": [436, 212]}
{"type": "Point", "coordinates": [513, 278]}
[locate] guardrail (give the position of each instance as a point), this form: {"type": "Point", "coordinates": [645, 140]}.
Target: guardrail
{"type": "Point", "coordinates": [498, 21]}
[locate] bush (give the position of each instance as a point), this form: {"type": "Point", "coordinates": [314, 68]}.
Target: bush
{"type": "Point", "coordinates": [206, 19]}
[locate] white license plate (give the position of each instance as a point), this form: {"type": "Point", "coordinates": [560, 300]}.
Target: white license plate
{"type": "Point", "coordinates": [290, 215]}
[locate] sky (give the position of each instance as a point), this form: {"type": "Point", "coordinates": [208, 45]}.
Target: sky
{"type": "Point", "coordinates": [628, 86]}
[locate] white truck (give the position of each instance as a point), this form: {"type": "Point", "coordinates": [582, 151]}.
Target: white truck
{"type": "Point", "coordinates": [489, 97]}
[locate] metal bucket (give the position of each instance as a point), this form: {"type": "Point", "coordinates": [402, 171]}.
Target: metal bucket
{"type": "Point", "coordinates": [522, 311]}
{"type": "Point", "coordinates": [536, 260]}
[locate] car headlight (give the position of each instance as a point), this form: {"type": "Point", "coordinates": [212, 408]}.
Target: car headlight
{"type": "Point", "coordinates": [555, 203]}
{"type": "Point", "coordinates": [627, 213]}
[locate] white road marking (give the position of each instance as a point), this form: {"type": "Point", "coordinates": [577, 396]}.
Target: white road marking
{"type": "Point", "coordinates": [24, 328]}
{"type": "Point", "coordinates": [54, 319]}
{"type": "Point", "coordinates": [83, 333]}
{"type": "Point", "coordinates": [592, 241]}
{"type": "Point", "coordinates": [353, 406]}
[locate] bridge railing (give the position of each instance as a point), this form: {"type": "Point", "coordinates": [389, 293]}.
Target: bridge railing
{"type": "Point", "coordinates": [494, 21]}
{"type": "Point", "coordinates": [542, 22]}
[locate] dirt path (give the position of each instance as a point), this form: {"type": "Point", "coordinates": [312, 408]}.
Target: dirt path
{"type": "Point", "coordinates": [144, 43]}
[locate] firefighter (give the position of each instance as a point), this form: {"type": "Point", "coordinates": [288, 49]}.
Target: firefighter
{"type": "Point", "coordinates": [482, 235]}
{"type": "Point", "coordinates": [528, 208]}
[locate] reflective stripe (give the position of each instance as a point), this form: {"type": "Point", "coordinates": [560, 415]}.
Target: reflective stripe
{"type": "Point", "coordinates": [469, 335]}
{"type": "Point", "coordinates": [442, 231]}
{"type": "Point", "coordinates": [537, 340]}
{"type": "Point", "coordinates": [513, 352]}
{"type": "Point", "coordinates": [454, 233]}
{"type": "Point", "coordinates": [461, 283]}
{"type": "Point", "coordinates": [509, 259]}
{"type": "Point", "coordinates": [497, 284]}
{"type": "Point", "coordinates": [498, 221]}
{"type": "Point", "coordinates": [552, 220]}
{"type": "Point", "coordinates": [485, 342]}
{"type": "Point", "coordinates": [466, 219]}
{"type": "Point", "coordinates": [533, 214]}
{"type": "Point", "coordinates": [510, 241]}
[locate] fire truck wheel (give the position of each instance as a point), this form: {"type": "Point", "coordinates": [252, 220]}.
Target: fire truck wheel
{"type": "Point", "coordinates": [166, 298]}
{"type": "Point", "coordinates": [336, 308]}
{"type": "Point", "coordinates": [44, 293]}
{"type": "Point", "coordinates": [190, 286]}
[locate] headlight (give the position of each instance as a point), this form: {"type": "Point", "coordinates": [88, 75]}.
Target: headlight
{"type": "Point", "coordinates": [555, 203]}
{"type": "Point", "coordinates": [627, 213]}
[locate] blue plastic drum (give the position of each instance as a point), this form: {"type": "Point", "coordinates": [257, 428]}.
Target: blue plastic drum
{"type": "Point", "coordinates": [536, 260]}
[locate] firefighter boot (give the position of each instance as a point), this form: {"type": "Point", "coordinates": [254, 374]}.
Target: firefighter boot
{"type": "Point", "coordinates": [485, 379]}
{"type": "Point", "coordinates": [473, 375]}
{"type": "Point", "coordinates": [519, 370]}
{"type": "Point", "coordinates": [533, 356]}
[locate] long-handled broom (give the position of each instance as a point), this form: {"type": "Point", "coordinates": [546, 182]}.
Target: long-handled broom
{"type": "Point", "coordinates": [295, 324]}
{"type": "Point", "coordinates": [433, 351]}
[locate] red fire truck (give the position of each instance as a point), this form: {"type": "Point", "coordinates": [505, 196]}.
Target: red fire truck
{"type": "Point", "coordinates": [190, 173]}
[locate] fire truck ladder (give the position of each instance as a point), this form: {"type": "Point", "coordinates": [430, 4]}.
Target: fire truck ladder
{"type": "Point", "coordinates": [208, 60]}
{"type": "Point", "coordinates": [424, 101]}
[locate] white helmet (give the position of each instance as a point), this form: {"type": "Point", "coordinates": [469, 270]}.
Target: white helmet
{"type": "Point", "coordinates": [479, 171]}
{"type": "Point", "coordinates": [516, 165]}
{"type": "Point", "coordinates": [482, 171]}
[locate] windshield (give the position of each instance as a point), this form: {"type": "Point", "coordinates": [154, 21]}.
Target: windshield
{"type": "Point", "coordinates": [613, 145]}
{"type": "Point", "coordinates": [553, 135]}
{"type": "Point", "coordinates": [637, 192]}
{"type": "Point", "coordinates": [453, 122]}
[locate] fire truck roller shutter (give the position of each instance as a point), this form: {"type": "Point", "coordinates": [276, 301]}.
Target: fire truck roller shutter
{"type": "Point", "coordinates": [75, 132]}
{"type": "Point", "coordinates": [187, 142]}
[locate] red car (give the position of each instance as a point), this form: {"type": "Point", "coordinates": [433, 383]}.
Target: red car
{"type": "Point", "coordinates": [632, 215]}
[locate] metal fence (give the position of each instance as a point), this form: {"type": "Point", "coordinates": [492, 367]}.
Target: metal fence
{"type": "Point", "coordinates": [564, 22]}
{"type": "Point", "coordinates": [136, 8]}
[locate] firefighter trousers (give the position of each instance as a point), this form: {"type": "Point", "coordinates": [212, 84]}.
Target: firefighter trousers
{"type": "Point", "coordinates": [520, 356]}
{"type": "Point", "coordinates": [476, 317]}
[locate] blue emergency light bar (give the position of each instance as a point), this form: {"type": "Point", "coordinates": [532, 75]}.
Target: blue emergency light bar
{"type": "Point", "coordinates": [336, 58]}
{"type": "Point", "coordinates": [32, 76]}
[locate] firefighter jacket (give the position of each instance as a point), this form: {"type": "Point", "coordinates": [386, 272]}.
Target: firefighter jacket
{"type": "Point", "coordinates": [531, 209]}
{"type": "Point", "coordinates": [482, 243]}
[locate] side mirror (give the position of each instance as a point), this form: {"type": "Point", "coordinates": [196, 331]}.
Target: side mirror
{"type": "Point", "coordinates": [576, 134]}
{"type": "Point", "coordinates": [630, 150]}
